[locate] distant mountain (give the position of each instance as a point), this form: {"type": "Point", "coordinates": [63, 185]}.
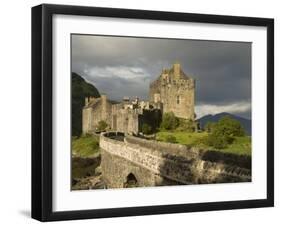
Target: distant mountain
{"type": "Point", "coordinates": [246, 123]}
{"type": "Point", "coordinates": [80, 90]}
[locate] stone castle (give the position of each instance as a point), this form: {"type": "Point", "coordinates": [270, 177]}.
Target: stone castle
{"type": "Point", "coordinates": [173, 91]}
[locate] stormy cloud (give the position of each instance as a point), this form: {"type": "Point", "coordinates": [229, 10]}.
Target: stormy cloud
{"type": "Point", "coordinates": [125, 66]}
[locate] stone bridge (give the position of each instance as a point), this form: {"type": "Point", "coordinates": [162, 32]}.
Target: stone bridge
{"type": "Point", "coordinates": [129, 161]}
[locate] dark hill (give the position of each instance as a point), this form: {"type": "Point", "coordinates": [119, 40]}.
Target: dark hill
{"type": "Point", "coordinates": [246, 123]}
{"type": "Point", "coordinates": [80, 90]}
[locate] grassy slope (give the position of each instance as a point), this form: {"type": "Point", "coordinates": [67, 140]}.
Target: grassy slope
{"type": "Point", "coordinates": [241, 145]}
{"type": "Point", "coordinates": [85, 146]}
{"type": "Point", "coordinates": [85, 156]}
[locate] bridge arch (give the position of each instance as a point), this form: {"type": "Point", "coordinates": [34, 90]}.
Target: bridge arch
{"type": "Point", "coordinates": [131, 181]}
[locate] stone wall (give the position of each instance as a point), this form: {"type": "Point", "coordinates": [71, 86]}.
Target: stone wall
{"type": "Point", "coordinates": [115, 172]}
{"type": "Point", "coordinates": [92, 115]}
{"type": "Point", "coordinates": [86, 120]}
{"type": "Point", "coordinates": [157, 163]}
{"type": "Point", "coordinates": [125, 120]}
{"type": "Point", "coordinates": [119, 118]}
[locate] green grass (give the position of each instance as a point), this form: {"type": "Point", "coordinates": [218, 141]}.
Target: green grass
{"type": "Point", "coordinates": [85, 156]}
{"type": "Point", "coordinates": [241, 145]}
{"type": "Point", "coordinates": [85, 146]}
{"type": "Point", "coordinates": [181, 137]}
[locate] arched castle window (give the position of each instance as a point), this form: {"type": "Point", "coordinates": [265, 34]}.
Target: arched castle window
{"type": "Point", "coordinates": [178, 99]}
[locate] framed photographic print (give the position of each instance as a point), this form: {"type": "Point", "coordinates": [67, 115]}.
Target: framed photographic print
{"type": "Point", "coordinates": [145, 112]}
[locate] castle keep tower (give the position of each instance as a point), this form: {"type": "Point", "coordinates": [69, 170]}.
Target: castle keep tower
{"type": "Point", "coordinates": [175, 90]}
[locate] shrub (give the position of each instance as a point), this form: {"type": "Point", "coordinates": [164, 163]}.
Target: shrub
{"type": "Point", "coordinates": [169, 121]}
{"type": "Point", "coordinates": [224, 132]}
{"type": "Point", "coordinates": [217, 141]}
{"type": "Point", "coordinates": [171, 139]}
{"type": "Point", "coordinates": [209, 126]}
{"type": "Point", "coordinates": [187, 125]}
{"type": "Point", "coordinates": [102, 125]}
{"type": "Point", "coordinates": [146, 129]}
{"type": "Point", "coordinates": [229, 127]}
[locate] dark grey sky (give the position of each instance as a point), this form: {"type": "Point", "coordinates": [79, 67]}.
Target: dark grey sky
{"type": "Point", "coordinates": [124, 66]}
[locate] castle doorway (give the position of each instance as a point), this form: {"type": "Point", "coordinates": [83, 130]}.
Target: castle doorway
{"type": "Point", "coordinates": [131, 181]}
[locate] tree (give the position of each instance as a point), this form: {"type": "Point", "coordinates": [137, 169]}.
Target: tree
{"type": "Point", "coordinates": [229, 127]}
{"type": "Point", "coordinates": [102, 125]}
{"type": "Point", "coordinates": [187, 125]}
{"type": "Point", "coordinates": [218, 141]}
{"type": "Point", "coordinates": [169, 121]}
{"type": "Point", "coordinates": [224, 132]}
{"type": "Point", "coordinates": [146, 129]}
{"type": "Point", "coordinates": [209, 126]}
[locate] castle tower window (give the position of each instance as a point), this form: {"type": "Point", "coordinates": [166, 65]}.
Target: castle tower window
{"type": "Point", "coordinates": [178, 99]}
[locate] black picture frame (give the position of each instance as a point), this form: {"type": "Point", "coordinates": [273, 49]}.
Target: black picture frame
{"type": "Point", "coordinates": [42, 107]}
